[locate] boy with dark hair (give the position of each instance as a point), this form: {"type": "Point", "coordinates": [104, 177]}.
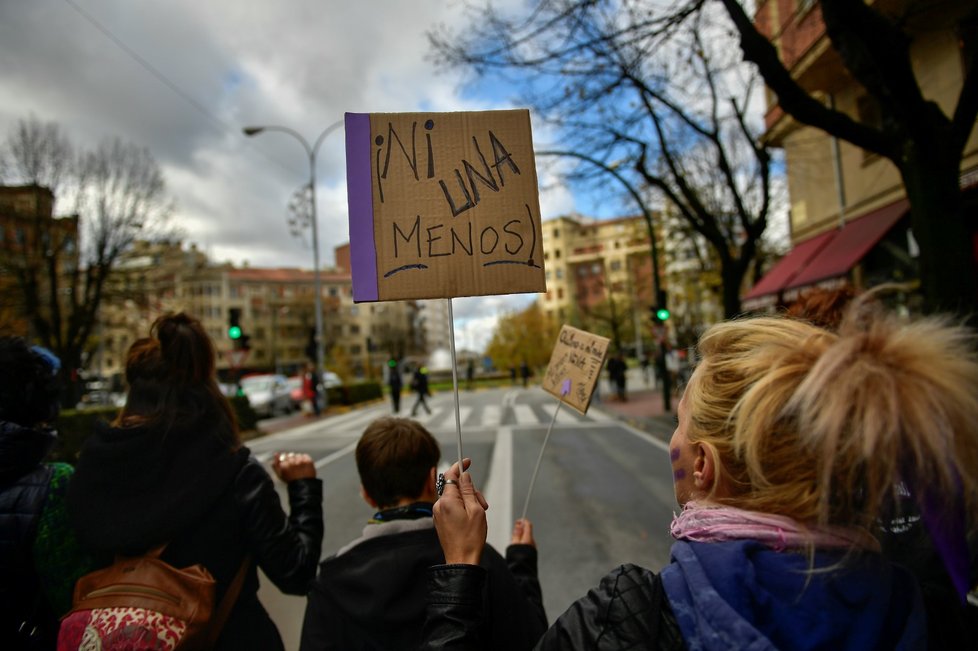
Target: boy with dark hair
{"type": "Point", "coordinates": [371, 593]}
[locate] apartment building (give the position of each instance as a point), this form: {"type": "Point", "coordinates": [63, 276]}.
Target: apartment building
{"type": "Point", "coordinates": [849, 213]}
{"type": "Point", "coordinates": [276, 308]}
{"type": "Point", "coordinates": [31, 236]}
{"type": "Point", "coordinates": [590, 262]}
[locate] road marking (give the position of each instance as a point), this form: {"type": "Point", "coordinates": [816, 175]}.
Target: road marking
{"type": "Point", "coordinates": [492, 415]}
{"type": "Point", "coordinates": [325, 461]}
{"type": "Point", "coordinates": [564, 416]}
{"type": "Point", "coordinates": [525, 415]}
{"type": "Point", "coordinates": [499, 491]}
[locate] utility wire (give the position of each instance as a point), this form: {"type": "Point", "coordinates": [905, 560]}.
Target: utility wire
{"type": "Point", "coordinates": [187, 97]}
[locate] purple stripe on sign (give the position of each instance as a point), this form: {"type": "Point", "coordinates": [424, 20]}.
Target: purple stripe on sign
{"type": "Point", "coordinates": [363, 253]}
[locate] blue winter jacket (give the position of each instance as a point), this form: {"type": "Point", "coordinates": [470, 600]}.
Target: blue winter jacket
{"type": "Point", "coordinates": [743, 595]}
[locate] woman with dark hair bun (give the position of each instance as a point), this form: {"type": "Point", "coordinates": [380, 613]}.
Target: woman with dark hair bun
{"type": "Point", "coordinates": [171, 470]}
{"type": "Point", "coordinates": [39, 556]}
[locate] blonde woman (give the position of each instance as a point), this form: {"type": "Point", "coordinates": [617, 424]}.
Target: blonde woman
{"type": "Point", "coordinates": [795, 447]}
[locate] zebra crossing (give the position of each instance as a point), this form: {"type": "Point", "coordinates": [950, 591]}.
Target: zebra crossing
{"type": "Point", "coordinates": [442, 416]}
{"type": "Point", "coordinates": [344, 430]}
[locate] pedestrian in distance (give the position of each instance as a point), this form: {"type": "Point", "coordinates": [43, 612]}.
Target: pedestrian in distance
{"type": "Point", "coordinates": [370, 594]}
{"type": "Point", "coordinates": [616, 374]}
{"type": "Point", "coordinates": [310, 390]}
{"type": "Point", "coordinates": [394, 383]}
{"type": "Point", "coordinates": [525, 373]}
{"type": "Point", "coordinates": [469, 375]}
{"type": "Point", "coordinates": [40, 558]}
{"type": "Point", "coordinates": [794, 445]}
{"type": "Point", "coordinates": [171, 470]}
{"type": "Point", "coordinates": [419, 383]}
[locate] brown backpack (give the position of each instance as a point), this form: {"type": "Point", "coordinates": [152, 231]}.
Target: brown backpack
{"type": "Point", "coordinates": [142, 602]}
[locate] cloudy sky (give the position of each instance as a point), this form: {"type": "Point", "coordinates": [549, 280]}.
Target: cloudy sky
{"type": "Point", "coordinates": [183, 77]}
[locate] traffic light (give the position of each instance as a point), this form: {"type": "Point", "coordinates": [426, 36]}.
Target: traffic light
{"type": "Point", "coordinates": [660, 313]}
{"type": "Point", "coordinates": [234, 323]}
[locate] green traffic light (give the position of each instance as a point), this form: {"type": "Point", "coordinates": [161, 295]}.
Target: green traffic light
{"type": "Point", "coordinates": [392, 363]}
{"type": "Point", "coordinates": [662, 314]}
{"type": "Point", "coordinates": [234, 332]}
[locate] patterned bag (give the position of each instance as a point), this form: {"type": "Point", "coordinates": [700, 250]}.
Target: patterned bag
{"type": "Point", "coordinates": [143, 603]}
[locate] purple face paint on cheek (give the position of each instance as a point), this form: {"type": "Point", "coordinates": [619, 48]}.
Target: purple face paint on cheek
{"type": "Point", "coordinates": [679, 474]}
{"type": "Point", "coordinates": [674, 454]}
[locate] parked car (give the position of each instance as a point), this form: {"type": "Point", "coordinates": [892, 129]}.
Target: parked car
{"type": "Point", "coordinates": [268, 394]}
{"type": "Point", "coordinates": [295, 390]}
{"type": "Point", "coordinates": [331, 379]}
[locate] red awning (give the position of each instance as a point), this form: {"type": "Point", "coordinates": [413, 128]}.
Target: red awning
{"type": "Point", "coordinates": [788, 267]}
{"type": "Point", "coordinates": [850, 245]}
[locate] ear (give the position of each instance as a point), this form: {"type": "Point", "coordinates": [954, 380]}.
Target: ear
{"type": "Point", "coordinates": [704, 468]}
{"type": "Point", "coordinates": [366, 497]}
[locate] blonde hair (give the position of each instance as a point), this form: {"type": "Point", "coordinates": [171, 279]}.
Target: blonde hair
{"type": "Point", "coordinates": [829, 428]}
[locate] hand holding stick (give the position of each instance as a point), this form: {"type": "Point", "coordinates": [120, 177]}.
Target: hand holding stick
{"type": "Point", "coordinates": [460, 518]}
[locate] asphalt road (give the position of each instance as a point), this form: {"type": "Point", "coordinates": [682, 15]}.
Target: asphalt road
{"type": "Point", "coordinates": [603, 495]}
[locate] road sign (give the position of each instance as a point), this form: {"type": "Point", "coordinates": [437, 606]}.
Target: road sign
{"type": "Point", "coordinates": [236, 358]}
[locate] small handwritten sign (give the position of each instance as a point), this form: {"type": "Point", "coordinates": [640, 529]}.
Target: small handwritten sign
{"type": "Point", "coordinates": [443, 205]}
{"type": "Point", "coordinates": [577, 358]}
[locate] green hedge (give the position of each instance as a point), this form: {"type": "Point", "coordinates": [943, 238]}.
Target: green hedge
{"type": "Point", "coordinates": [352, 394]}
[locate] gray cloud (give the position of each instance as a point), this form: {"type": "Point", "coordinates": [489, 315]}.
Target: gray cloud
{"type": "Point", "coordinates": [196, 72]}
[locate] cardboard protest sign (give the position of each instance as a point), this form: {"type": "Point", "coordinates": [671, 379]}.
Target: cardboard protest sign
{"type": "Point", "coordinates": [442, 205]}
{"type": "Point", "coordinates": [578, 357]}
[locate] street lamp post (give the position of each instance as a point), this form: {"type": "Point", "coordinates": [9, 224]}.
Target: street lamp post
{"type": "Point", "coordinates": [314, 219]}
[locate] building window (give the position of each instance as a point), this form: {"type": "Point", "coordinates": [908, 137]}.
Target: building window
{"type": "Point", "coordinates": [596, 268]}
{"type": "Point", "coordinates": [556, 232]}
{"type": "Point", "coordinates": [560, 274]}
{"type": "Point", "coordinates": [560, 293]}
{"type": "Point", "coordinates": [615, 264]}
{"type": "Point", "coordinates": [557, 254]}
{"type": "Point", "coordinates": [355, 349]}
{"type": "Point", "coordinates": [354, 329]}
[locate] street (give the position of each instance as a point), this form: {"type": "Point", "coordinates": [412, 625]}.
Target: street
{"type": "Point", "coordinates": [603, 495]}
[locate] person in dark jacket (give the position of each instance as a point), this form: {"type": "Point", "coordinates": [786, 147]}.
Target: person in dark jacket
{"type": "Point", "coordinates": [40, 558]}
{"type": "Point", "coordinates": [419, 383]}
{"type": "Point", "coordinates": [395, 383]}
{"type": "Point", "coordinates": [371, 593]}
{"type": "Point", "coordinates": [171, 470]}
{"type": "Point", "coordinates": [794, 444]}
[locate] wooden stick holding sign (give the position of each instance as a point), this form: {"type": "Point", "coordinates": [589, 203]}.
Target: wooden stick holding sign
{"type": "Point", "coordinates": [575, 366]}
{"type": "Point", "coordinates": [533, 479]}
{"type": "Point", "coordinates": [443, 205]}
{"type": "Point", "coordinates": [458, 421]}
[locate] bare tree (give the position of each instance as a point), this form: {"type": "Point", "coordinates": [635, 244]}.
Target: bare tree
{"type": "Point", "coordinates": [117, 195]}
{"type": "Point", "coordinates": [654, 98]}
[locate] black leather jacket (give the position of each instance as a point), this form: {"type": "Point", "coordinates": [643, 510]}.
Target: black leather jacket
{"type": "Point", "coordinates": [627, 610]}
{"type": "Point", "coordinates": [134, 489]}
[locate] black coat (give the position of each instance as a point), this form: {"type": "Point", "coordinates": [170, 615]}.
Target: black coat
{"type": "Point", "coordinates": [136, 488]}
{"type": "Point", "coordinates": [24, 482]}
{"type": "Point", "coordinates": [372, 596]}
{"type": "Point", "coordinates": [627, 610]}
